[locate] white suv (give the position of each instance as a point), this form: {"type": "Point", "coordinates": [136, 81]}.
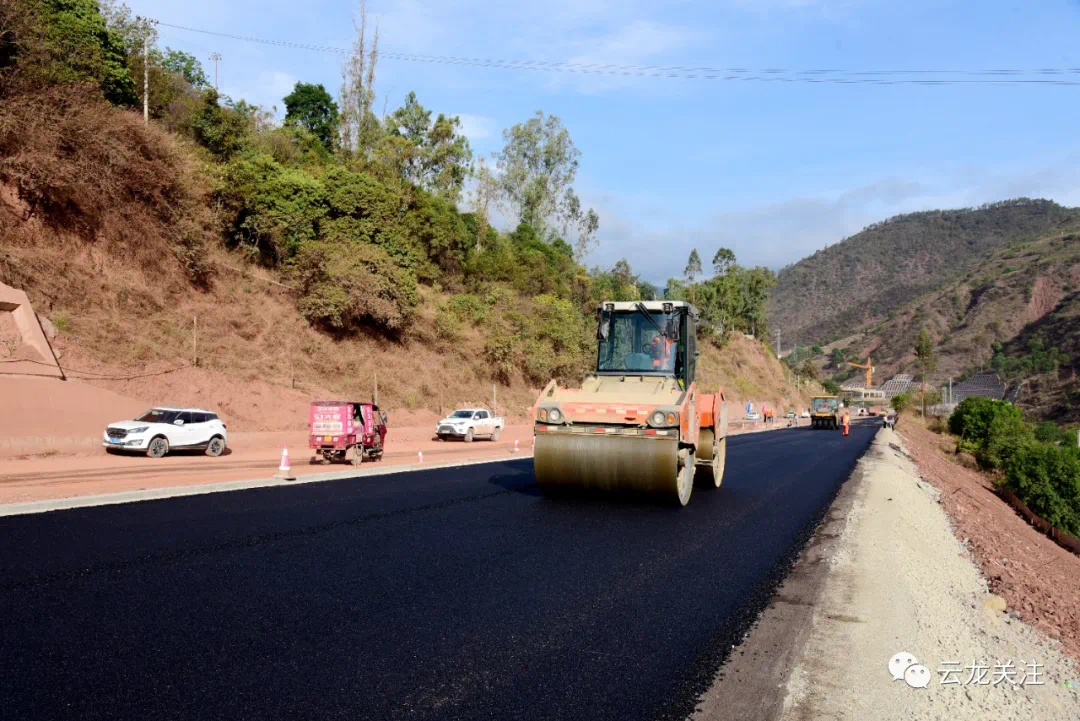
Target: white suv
{"type": "Point", "coordinates": [160, 430]}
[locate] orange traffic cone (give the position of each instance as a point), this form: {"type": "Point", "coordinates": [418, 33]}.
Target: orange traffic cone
{"type": "Point", "coordinates": [284, 470]}
{"type": "Point", "coordinates": [516, 448]}
{"type": "Point", "coordinates": [419, 456]}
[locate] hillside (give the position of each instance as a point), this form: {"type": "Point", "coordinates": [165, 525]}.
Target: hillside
{"type": "Point", "coordinates": [215, 257]}
{"type": "Point", "coordinates": [860, 279]}
{"type": "Point", "coordinates": [1015, 312]}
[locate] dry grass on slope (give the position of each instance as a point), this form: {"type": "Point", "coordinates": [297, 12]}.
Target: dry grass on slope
{"type": "Point", "coordinates": [95, 175]}
{"type": "Point", "coordinates": [748, 371]}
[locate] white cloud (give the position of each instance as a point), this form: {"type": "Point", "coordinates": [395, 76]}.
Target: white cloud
{"type": "Point", "coordinates": [476, 127]}
{"type": "Point", "coordinates": [272, 86]}
{"type": "Point", "coordinates": [785, 231]}
{"type": "Point", "coordinates": [637, 43]}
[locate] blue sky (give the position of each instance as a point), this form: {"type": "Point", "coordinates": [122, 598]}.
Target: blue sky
{"type": "Point", "coordinates": [772, 170]}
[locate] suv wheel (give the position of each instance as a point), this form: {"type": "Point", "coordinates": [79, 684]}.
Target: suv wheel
{"type": "Point", "coordinates": [158, 447]}
{"type": "Point", "coordinates": [216, 446]}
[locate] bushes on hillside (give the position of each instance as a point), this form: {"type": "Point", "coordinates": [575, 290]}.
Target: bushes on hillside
{"type": "Point", "coordinates": [972, 417]}
{"type": "Point", "coordinates": [1043, 474]}
{"type": "Point", "coordinates": [1054, 434]}
{"type": "Point", "coordinates": [99, 172]}
{"type": "Point", "coordinates": [991, 430]}
{"type": "Point", "coordinates": [1047, 479]}
{"type": "Point", "coordinates": [346, 285]}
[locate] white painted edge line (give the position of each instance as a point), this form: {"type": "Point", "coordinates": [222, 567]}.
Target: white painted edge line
{"type": "Point", "coordinates": [153, 494]}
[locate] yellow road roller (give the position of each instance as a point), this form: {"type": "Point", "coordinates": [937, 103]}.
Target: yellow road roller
{"type": "Point", "coordinates": [638, 422]}
{"type": "Point", "coordinates": [825, 412]}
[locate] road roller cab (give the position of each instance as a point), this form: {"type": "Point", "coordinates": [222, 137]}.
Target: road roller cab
{"type": "Point", "coordinates": [638, 422]}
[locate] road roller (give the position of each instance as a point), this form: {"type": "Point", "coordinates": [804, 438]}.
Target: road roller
{"type": "Point", "coordinates": [638, 423]}
{"type": "Point", "coordinates": [825, 412]}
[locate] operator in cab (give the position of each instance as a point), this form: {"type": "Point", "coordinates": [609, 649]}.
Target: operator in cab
{"type": "Point", "coordinates": [661, 350]}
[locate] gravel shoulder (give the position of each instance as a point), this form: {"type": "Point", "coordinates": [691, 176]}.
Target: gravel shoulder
{"type": "Point", "coordinates": [900, 581]}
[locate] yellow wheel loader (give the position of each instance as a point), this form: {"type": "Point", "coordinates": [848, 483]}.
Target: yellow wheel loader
{"type": "Point", "coordinates": [638, 422]}
{"type": "Point", "coordinates": [825, 412]}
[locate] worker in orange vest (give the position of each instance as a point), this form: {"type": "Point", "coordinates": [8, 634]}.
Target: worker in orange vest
{"type": "Point", "coordinates": [660, 350]}
{"type": "Point", "coordinates": [847, 422]}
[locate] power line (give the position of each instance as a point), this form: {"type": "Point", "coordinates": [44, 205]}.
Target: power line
{"type": "Point", "coordinates": [828, 76]}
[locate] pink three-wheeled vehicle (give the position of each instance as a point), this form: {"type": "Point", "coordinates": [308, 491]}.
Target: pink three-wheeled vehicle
{"type": "Point", "coordinates": [347, 431]}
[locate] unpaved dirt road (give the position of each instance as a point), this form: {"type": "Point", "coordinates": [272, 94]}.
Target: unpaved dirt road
{"type": "Point", "coordinates": [250, 456]}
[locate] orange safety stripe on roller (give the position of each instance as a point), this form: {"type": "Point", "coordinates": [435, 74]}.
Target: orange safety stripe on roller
{"type": "Point", "coordinates": [707, 410]}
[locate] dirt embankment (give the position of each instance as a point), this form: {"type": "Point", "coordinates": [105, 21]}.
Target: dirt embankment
{"type": "Point", "coordinates": [1039, 580]}
{"type": "Point", "coordinates": [906, 578]}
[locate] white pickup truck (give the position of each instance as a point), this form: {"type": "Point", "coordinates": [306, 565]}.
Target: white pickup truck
{"type": "Point", "coordinates": [468, 423]}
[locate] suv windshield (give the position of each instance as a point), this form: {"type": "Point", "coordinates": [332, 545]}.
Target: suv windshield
{"type": "Point", "coordinates": [825, 404]}
{"type": "Point", "coordinates": [461, 414]}
{"type": "Point", "coordinates": [156, 415]}
{"type": "Point", "coordinates": [634, 344]}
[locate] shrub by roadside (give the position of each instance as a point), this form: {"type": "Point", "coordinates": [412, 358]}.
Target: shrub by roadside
{"type": "Point", "coordinates": [1040, 465]}
{"type": "Point", "coordinates": [1047, 479]}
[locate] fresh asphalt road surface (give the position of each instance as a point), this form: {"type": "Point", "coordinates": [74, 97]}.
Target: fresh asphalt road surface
{"type": "Point", "coordinates": [454, 593]}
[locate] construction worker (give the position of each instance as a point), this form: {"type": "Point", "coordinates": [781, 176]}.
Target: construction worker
{"type": "Point", "coordinates": [660, 350]}
{"type": "Point", "coordinates": [847, 422]}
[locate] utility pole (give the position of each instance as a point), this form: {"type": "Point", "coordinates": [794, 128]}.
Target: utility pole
{"type": "Point", "coordinates": [950, 390]}
{"type": "Point", "coordinates": [146, 78]}
{"type": "Point", "coordinates": [146, 23]}
{"type": "Point", "coordinates": [215, 57]}
{"type": "Point", "coordinates": [777, 344]}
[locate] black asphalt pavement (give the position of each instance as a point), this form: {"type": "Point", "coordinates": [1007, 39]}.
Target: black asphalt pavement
{"type": "Point", "coordinates": [455, 593]}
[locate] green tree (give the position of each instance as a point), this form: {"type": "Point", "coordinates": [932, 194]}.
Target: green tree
{"type": "Point", "coordinates": [648, 291]}
{"type": "Point", "coordinates": [926, 358]}
{"type": "Point", "coordinates": [756, 285]}
{"type": "Point", "coordinates": [676, 290]}
{"type": "Point", "coordinates": [693, 266]}
{"type": "Point", "coordinates": [484, 193]}
{"type": "Point", "coordinates": [186, 66]}
{"type": "Point", "coordinates": [222, 131]}
{"type": "Point", "coordinates": [537, 167]}
{"type": "Point", "coordinates": [434, 155]}
{"type": "Point", "coordinates": [722, 261]}
{"type": "Point", "coordinates": [359, 126]}
{"type": "Point", "coordinates": [808, 370]}
{"type": "Point", "coordinates": [900, 401]}
{"type": "Point", "coordinates": [76, 34]}
{"type": "Point", "coordinates": [309, 106]}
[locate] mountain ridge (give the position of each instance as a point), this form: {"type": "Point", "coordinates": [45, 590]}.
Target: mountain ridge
{"type": "Point", "coordinates": [857, 281]}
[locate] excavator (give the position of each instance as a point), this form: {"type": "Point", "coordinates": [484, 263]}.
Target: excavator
{"type": "Point", "coordinates": [638, 423]}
